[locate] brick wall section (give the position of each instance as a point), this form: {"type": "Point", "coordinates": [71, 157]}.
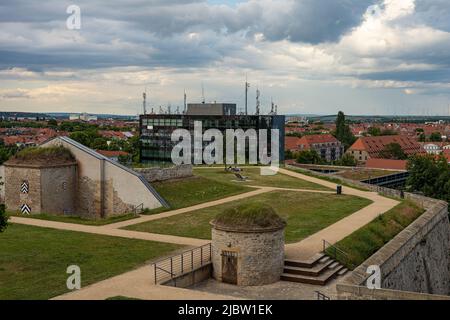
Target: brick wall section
{"type": "Point", "coordinates": [260, 255]}
{"type": "Point", "coordinates": [163, 174]}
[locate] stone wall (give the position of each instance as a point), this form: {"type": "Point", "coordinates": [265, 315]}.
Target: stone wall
{"type": "Point", "coordinates": [163, 174]}
{"type": "Point", "coordinates": [51, 188]}
{"type": "Point", "coordinates": [14, 199]}
{"type": "Point", "coordinates": [191, 278]}
{"type": "Point", "coordinates": [415, 264]}
{"type": "Point", "coordinates": [106, 188]}
{"type": "Point", "coordinates": [260, 255]}
{"type": "Point", "coordinates": [59, 187]}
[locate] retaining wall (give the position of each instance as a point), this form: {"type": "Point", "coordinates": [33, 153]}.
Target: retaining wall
{"type": "Point", "coordinates": [415, 264]}
{"type": "Point", "coordinates": [163, 174]}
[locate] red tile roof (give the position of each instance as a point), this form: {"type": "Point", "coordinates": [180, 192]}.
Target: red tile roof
{"type": "Point", "coordinates": [291, 143]}
{"type": "Point", "coordinates": [317, 139]}
{"type": "Point", "coordinates": [374, 163]}
{"type": "Point", "coordinates": [375, 145]}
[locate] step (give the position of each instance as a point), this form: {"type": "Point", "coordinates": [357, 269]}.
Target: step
{"type": "Point", "coordinates": [312, 272]}
{"type": "Point", "coordinates": [310, 263]}
{"type": "Point", "coordinates": [325, 259]}
{"type": "Point", "coordinates": [343, 272]}
{"type": "Point", "coordinates": [320, 281]}
{"type": "Point", "coordinates": [334, 265]}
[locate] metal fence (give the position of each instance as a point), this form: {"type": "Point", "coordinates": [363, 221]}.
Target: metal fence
{"type": "Point", "coordinates": [337, 254]}
{"type": "Point", "coordinates": [185, 262]}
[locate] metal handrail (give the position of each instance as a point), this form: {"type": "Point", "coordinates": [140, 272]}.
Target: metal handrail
{"type": "Point", "coordinates": [137, 207]}
{"type": "Point", "coordinates": [336, 251]}
{"type": "Point", "coordinates": [177, 265]}
{"type": "Point", "coordinates": [321, 296]}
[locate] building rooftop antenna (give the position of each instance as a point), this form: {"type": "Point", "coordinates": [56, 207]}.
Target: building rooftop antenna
{"type": "Point", "coordinates": [185, 102]}
{"type": "Point", "coordinates": [144, 103]}
{"type": "Point", "coordinates": [247, 86]}
{"type": "Point", "coordinates": [203, 94]}
{"type": "Point", "coordinates": [258, 103]}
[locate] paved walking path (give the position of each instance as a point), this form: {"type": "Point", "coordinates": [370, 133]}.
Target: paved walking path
{"type": "Point", "coordinates": [314, 244]}
{"type": "Point", "coordinates": [139, 283]}
{"type": "Point", "coordinates": [103, 230]}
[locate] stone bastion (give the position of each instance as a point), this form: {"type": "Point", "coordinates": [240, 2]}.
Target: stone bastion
{"type": "Point", "coordinates": [248, 246]}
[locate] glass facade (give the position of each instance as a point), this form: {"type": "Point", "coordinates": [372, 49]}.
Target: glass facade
{"type": "Point", "coordinates": [156, 131]}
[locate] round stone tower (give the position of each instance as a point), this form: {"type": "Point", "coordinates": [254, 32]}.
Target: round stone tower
{"type": "Point", "coordinates": [248, 246]}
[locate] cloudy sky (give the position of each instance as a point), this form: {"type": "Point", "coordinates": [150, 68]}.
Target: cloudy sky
{"type": "Point", "coordinates": [310, 56]}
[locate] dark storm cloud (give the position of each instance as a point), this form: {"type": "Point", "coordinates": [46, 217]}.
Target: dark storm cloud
{"type": "Point", "coordinates": [162, 27]}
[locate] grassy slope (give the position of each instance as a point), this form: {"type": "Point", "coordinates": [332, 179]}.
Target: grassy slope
{"type": "Point", "coordinates": [188, 192]}
{"type": "Point", "coordinates": [33, 261]}
{"type": "Point", "coordinates": [306, 213]}
{"type": "Point", "coordinates": [255, 179]}
{"type": "Point", "coordinates": [359, 175]}
{"type": "Point", "coordinates": [363, 243]}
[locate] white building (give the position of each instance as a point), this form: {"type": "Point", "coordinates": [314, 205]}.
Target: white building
{"type": "Point", "coordinates": [432, 148]}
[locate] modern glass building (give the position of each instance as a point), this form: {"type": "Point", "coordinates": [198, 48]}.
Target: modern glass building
{"type": "Point", "coordinates": [156, 130]}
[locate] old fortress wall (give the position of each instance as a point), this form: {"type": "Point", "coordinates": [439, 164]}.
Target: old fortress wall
{"type": "Point", "coordinates": [415, 264]}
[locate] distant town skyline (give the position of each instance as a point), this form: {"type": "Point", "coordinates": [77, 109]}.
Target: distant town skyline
{"type": "Point", "coordinates": [374, 57]}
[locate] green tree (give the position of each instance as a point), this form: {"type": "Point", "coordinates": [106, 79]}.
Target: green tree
{"type": "Point", "coordinates": [309, 157]}
{"type": "Point", "coordinates": [429, 176]}
{"type": "Point", "coordinates": [347, 161]}
{"type": "Point", "coordinates": [343, 132]}
{"type": "Point", "coordinates": [3, 218]}
{"type": "Point", "coordinates": [374, 131]}
{"type": "Point", "coordinates": [393, 151]}
{"type": "Point", "coordinates": [436, 137]}
{"type": "Point", "coordinates": [99, 144]}
{"type": "Point", "coordinates": [52, 123]}
{"type": "Point", "coordinates": [388, 132]}
{"type": "Point", "coordinates": [422, 137]}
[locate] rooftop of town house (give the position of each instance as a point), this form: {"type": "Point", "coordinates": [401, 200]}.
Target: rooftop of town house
{"type": "Point", "coordinates": [248, 218]}
{"type": "Point", "coordinates": [375, 145]}
{"type": "Point", "coordinates": [389, 164]}
{"type": "Point", "coordinates": [317, 139]}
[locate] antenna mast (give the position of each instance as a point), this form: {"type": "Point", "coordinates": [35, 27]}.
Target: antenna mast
{"type": "Point", "coordinates": [185, 102]}
{"type": "Point", "coordinates": [203, 93]}
{"type": "Point", "coordinates": [247, 86]}
{"type": "Point", "coordinates": [258, 103]}
{"type": "Point", "coordinates": [144, 103]}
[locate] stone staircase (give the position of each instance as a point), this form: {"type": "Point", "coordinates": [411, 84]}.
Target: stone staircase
{"type": "Point", "coordinates": [319, 270]}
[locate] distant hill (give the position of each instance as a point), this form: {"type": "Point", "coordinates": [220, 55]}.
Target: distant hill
{"type": "Point", "coordinates": [59, 115]}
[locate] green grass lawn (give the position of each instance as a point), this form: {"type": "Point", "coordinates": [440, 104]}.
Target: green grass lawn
{"type": "Point", "coordinates": [363, 243]}
{"type": "Point", "coordinates": [77, 220]}
{"type": "Point", "coordinates": [255, 179]}
{"type": "Point", "coordinates": [305, 213]}
{"type": "Point", "coordinates": [33, 261]}
{"type": "Point", "coordinates": [198, 189]}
